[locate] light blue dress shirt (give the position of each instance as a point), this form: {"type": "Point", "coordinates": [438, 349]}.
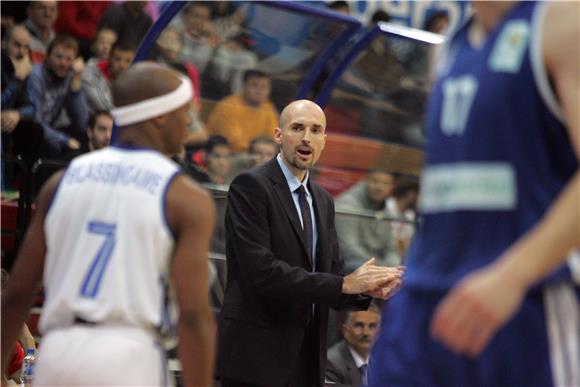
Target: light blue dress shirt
{"type": "Point", "coordinates": [293, 184]}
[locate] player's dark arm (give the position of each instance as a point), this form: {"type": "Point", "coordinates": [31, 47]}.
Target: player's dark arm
{"type": "Point", "coordinates": [26, 274]}
{"type": "Point", "coordinates": [547, 245]}
{"type": "Point", "coordinates": [190, 212]}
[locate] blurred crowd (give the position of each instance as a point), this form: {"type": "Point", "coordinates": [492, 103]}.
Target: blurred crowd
{"type": "Point", "coordinates": [59, 60]}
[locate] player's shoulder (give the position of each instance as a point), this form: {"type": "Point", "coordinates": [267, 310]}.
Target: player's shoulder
{"type": "Point", "coordinates": [565, 11]}
{"type": "Point", "coordinates": [184, 187]}
{"type": "Point", "coordinates": [560, 34]}
{"type": "Point", "coordinates": [188, 205]}
{"type": "Point", "coordinates": [560, 20]}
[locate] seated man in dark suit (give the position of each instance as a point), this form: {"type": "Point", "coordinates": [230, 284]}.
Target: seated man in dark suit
{"type": "Point", "coordinates": [348, 360]}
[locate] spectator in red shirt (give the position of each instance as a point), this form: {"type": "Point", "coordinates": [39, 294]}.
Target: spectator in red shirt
{"type": "Point", "coordinates": [99, 74]}
{"type": "Point", "coordinates": [80, 19]}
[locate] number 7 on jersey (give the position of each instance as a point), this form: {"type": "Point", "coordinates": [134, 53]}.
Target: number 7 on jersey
{"type": "Point", "coordinates": [93, 278]}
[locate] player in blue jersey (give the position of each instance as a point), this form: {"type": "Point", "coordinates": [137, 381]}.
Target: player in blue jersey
{"type": "Point", "coordinates": [491, 294]}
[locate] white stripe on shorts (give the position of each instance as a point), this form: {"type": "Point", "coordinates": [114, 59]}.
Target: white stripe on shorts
{"type": "Point", "coordinates": [563, 324]}
{"type": "Point", "coordinates": [574, 265]}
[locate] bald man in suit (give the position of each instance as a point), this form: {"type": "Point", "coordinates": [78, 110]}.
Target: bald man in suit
{"type": "Point", "coordinates": [283, 262]}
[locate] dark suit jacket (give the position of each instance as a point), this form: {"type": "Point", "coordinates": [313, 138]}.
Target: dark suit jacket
{"type": "Point", "coordinates": [341, 367]}
{"type": "Point", "coordinates": [270, 287]}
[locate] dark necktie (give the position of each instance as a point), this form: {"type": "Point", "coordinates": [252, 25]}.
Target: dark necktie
{"type": "Point", "coordinates": [363, 374]}
{"type": "Point", "coordinates": [306, 219]}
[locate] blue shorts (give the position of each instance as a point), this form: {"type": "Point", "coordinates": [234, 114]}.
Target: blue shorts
{"type": "Point", "coordinates": [405, 355]}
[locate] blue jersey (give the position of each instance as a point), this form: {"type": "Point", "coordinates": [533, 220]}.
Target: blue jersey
{"type": "Point", "coordinates": [498, 151]}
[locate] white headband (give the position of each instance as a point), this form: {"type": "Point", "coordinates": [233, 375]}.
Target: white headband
{"type": "Point", "coordinates": [154, 107]}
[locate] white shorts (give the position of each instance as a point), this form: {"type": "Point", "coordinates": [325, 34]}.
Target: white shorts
{"type": "Point", "coordinates": [100, 356]}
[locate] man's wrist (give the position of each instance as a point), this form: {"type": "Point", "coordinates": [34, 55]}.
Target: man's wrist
{"type": "Point", "coordinates": [511, 270]}
{"type": "Point", "coordinates": [75, 85]}
{"type": "Point", "coordinates": [346, 285]}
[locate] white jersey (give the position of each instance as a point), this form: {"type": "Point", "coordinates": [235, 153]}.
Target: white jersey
{"type": "Point", "coordinates": [108, 242]}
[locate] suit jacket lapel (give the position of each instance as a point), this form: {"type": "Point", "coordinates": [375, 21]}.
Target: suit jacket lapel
{"type": "Point", "coordinates": [352, 370]}
{"type": "Point", "coordinates": [283, 192]}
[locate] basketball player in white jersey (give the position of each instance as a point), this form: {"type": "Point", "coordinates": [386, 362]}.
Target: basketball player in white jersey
{"type": "Point", "coordinates": [114, 237]}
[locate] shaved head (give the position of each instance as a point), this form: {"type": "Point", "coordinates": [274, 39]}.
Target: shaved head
{"type": "Point", "coordinates": [301, 135]}
{"type": "Point", "coordinates": [144, 80]}
{"type": "Point", "coordinates": [166, 131]}
{"type": "Point", "coordinates": [300, 105]}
